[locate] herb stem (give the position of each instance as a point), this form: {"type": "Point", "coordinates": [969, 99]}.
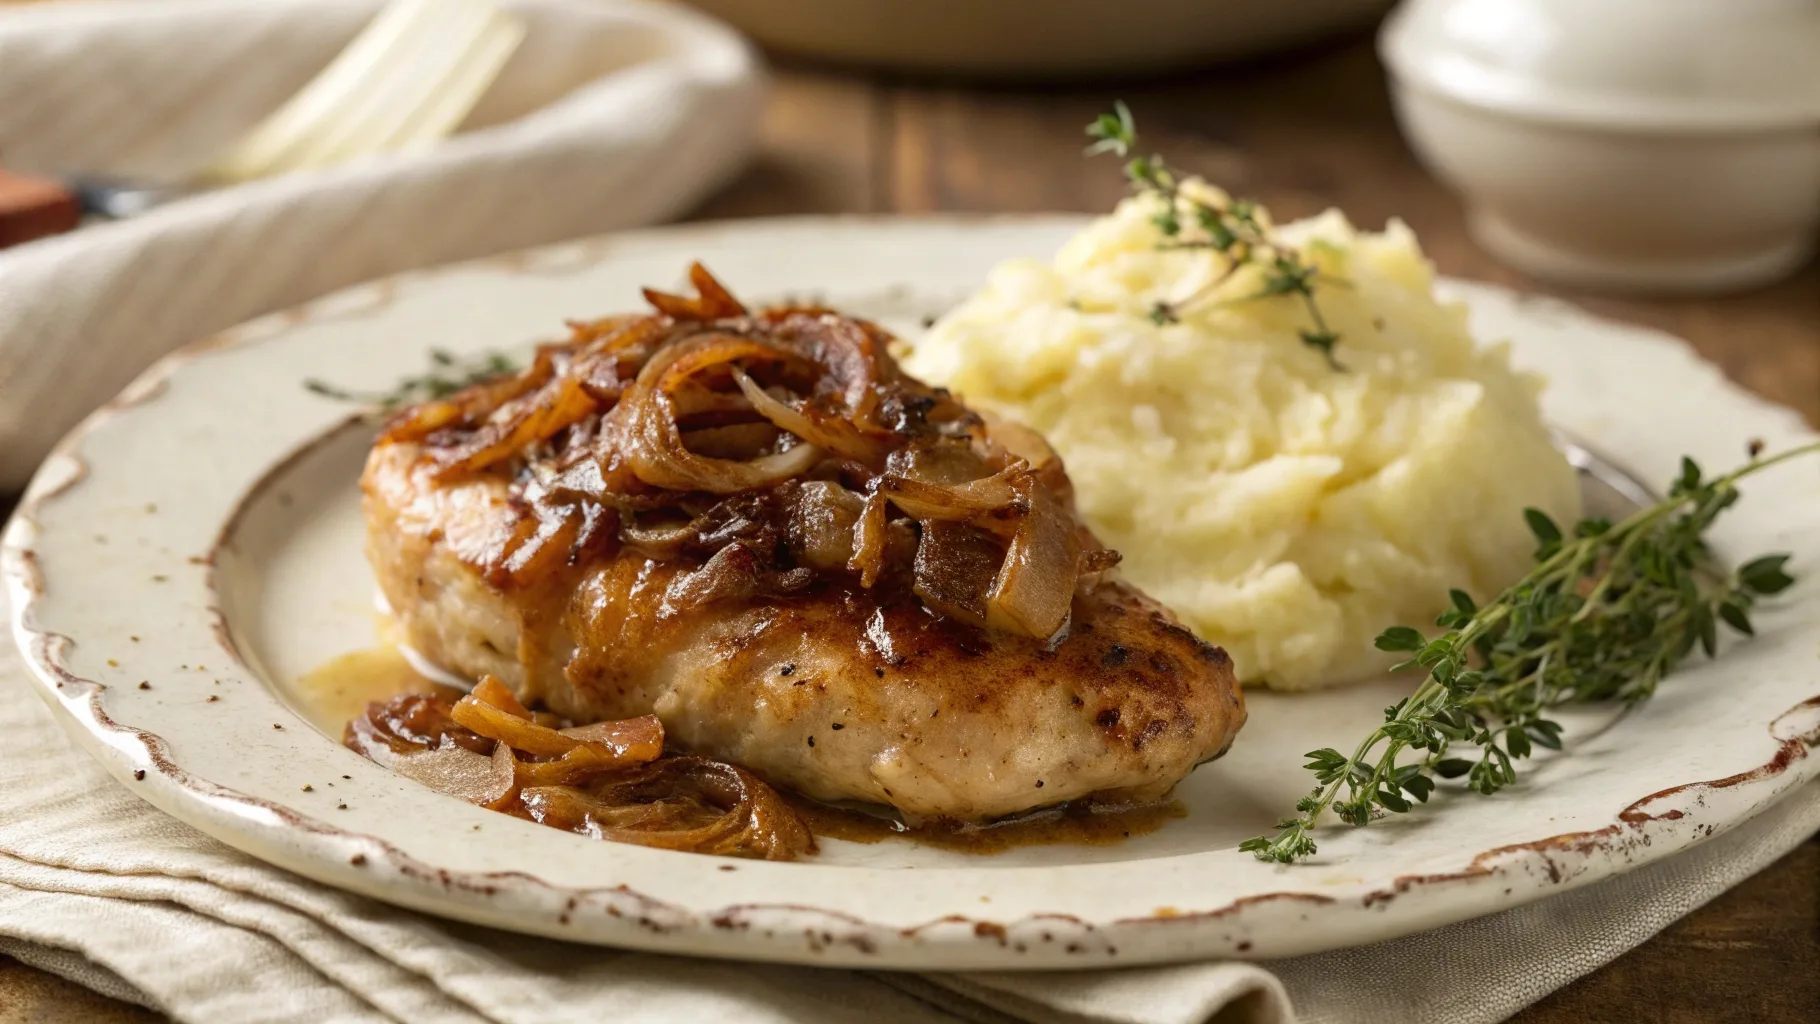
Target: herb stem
{"type": "Point", "coordinates": [1606, 613]}
{"type": "Point", "coordinates": [1230, 229]}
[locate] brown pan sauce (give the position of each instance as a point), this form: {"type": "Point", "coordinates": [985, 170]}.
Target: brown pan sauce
{"type": "Point", "coordinates": [340, 690]}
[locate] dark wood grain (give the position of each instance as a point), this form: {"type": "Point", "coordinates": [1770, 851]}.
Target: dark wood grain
{"type": "Point", "coordinates": [1752, 956]}
{"type": "Point", "coordinates": [29, 996]}
{"type": "Point", "coordinates": [1301, 133]}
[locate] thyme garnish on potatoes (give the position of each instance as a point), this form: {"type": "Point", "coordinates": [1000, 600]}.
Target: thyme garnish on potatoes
{"type": "Point", "coordinates": [1604, 615]}
{"type": "Point", "coordinates": [1232, 229]}
{"type": "Point", "coordinates": [446, 375]}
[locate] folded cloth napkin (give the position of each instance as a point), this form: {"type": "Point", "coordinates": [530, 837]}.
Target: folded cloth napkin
{"type": "Point", "coordinates": [101, 888]}
{"type": "Point", "coordinates": [612, 113]}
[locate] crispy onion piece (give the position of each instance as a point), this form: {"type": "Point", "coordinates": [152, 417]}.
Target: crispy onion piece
{"type": "Point", "coordinates": [712, 300]}
{"type": "Point", "coordinates": [472, 405]}
{"type": "Point", "coordinates": [526, 421]}
{"type": "Point", "coordinates": [830, 433]}
{"type": "Point", "coordinates": [653, 444]}
{"type": "Point", "coordinates": [679, 803]}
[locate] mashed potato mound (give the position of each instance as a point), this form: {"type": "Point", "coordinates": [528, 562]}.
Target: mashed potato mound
{"type": "Point", "coordinates": [1287, 511]}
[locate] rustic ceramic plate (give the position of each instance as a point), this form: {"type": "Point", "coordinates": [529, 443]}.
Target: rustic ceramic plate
{"type": "Point", "coordinates": [195, 548]}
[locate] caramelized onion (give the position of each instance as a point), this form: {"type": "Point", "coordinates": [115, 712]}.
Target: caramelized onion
{"type": "Point", "coordinates": [1035, 587]}
{"type": "Point", "coordinates": [947, 481]}
{"type": "Point", "coordinates": [610, 782]}
{"type": "Point", "coordinates": [529, 420]}
{"type": "Point", "coordinates": [678, 803]}
{"type": "Point", "coordinates": [639, 738]}
{"type": "Point", "coordinates": [491, 722]}
{"type": "Point", "coordinates": [733, 573]}
{"type": "Point", "coordinates": [851, 353]}
{"type": "Point", "coordinates": [735, 441]}
{"type": "Point", "coordinates": [964, 503]}
{"type": "Point", "coordinates": [826, 432]}
{"type": "Point", "coordinates": [631, 740]}
{"type": "Point", "coordinates": [411, 722]}
{"type": "Point", "coordinates": [458, 772]}
{"type": "Point", "coordinates": [472, 406]}
{"type": "Point", "coordinates": [660, 540]}
{"type": "Point", "coordinates": [712, 300]}
{"type": "Point", "coordinates": [869, 541]}
{"type": "Point", "coordinates": [822, 522]}
{"type": "Point", "coordinates": [654, 446]}
{"type": "Point", "coordinates": [738, 444]}
{"type": "Point", "coordinates": [955, 569]}
{"type": "Point", "coordinates": [1020, 441]}
{"type": "Point", "coordinates": [529, 558]}
{"type": "Point", "coordinates": [498, 694]}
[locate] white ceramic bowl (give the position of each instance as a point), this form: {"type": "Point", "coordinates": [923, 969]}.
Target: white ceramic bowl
{"type": "Point", "coordinates": [1662, 145]}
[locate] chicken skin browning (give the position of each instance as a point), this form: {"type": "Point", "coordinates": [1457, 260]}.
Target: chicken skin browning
{"type": "Point", "coordinates": [755, 527]}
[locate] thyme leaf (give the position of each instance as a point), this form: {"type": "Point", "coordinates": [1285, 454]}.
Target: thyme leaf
{"type": "Point", "coordinates": [1233, 230]}
{"type": "Point", "coordinates": [447, 375]}
{"type": "Point", "coordinates": [1607, 612]}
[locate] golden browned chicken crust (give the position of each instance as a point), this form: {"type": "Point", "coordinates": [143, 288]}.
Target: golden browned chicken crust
{"type": "Point", "coordinates": [814, 628]}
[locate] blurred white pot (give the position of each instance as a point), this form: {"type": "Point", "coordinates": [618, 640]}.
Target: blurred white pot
{"type": "Point", "coordinates": [1661, 145]}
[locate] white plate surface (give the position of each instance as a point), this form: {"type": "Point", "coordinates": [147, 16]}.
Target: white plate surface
{"type": "Point", "coordinates": [202, 535]}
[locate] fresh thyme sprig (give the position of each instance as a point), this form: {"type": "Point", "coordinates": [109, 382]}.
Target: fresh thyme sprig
{"type": "Point", "coordinates": [1232, 229]}
{"type": "Point", "coordinates": [1605, 614]}
{"type": "Point", "coordinates": [446, 375]}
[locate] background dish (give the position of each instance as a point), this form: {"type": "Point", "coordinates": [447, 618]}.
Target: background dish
{"type": "Point", "coordinates": [223, 492]}
{"type": "Point", "coordinates": [1002, 39]}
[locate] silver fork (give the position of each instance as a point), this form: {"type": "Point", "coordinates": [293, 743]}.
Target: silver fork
{"type": "Point", "coordinates": [403, 84]}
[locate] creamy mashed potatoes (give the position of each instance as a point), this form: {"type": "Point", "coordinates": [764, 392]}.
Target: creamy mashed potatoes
{"type": "Point", "coordinates": [1287, 511]}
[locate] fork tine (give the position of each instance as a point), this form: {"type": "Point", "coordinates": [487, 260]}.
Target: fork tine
{"type": "Point", "coordinates": [461, 89]}
{"type": "Point", "coordinates": [412, 72]}
{"type": "Point", "coordinates": [364, 56]}
{"type": "Point", "coordinates": [369, 93]}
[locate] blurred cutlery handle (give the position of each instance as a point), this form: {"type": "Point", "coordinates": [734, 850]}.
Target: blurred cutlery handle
{"type": "Point", "coordinates": [32, 207]}
{"type": "Point", "coordinates": [404, 83]}
{"type": "Point", "coordinates": [113, 199]}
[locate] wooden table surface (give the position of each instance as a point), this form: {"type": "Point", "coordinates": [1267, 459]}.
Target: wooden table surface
{"type": "Point", "coordinates": [1300, 133]}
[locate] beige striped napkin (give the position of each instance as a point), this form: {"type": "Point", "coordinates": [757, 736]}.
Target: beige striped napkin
{"type": "Point", "coordinates": [612, 113]}
{"type": "Point", "coordinates": [99, 887]}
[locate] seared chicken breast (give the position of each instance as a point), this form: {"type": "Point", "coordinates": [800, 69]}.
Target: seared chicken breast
{"type": "Point", "coordinates": [755, 527]}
